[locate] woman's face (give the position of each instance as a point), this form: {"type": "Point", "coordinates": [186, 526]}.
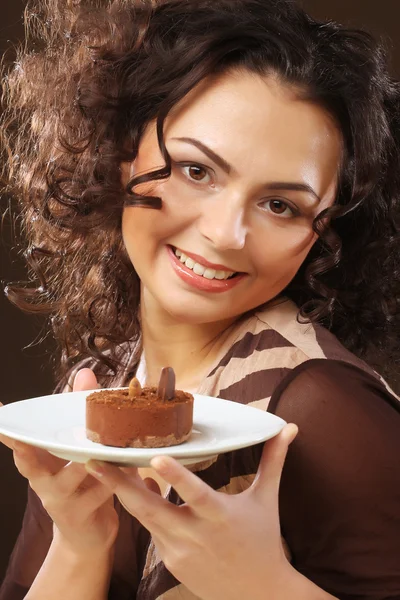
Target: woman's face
{"type": "Point", "coordinates": [252, 165]}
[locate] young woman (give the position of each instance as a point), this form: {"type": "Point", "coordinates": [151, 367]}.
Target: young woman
{"type": "Point", "coordinates": [213, 185]}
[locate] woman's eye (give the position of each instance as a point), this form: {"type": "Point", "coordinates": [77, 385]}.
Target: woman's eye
{"type": "Point", "coordinates": [279, 207]}
{"type": "Point", "coordinates": [196, 173]}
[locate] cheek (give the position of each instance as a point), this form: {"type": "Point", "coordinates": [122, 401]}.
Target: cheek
{"type": "Point", "coordinates": [302, 242]}
{"type": "Point", "coordinates": [285, 248]}
{"type": "Point", "coordinates": [155, 225]}
{"type": "Point", "coordinates": [146, 229]}
{"type": "Point", "coordinates": [135, 227]}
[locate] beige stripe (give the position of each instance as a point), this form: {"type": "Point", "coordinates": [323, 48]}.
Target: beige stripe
{"type": "Point", "coordinates": [261, 404]}
{"type": "Point", "coordinates": [249, 325]}
{"type": "Point", "coordinates": [273, 358]}
{"type": "Point", "coordinates": [238, 484]}
{"type": "Point", "coordinates": [283, 318]}
{"type": "Point", "coordinates": [389, 389]}
{"type": "Point", "coordinates": [180, 592]}
{"type": "Point", "coordinates": [152, 560]}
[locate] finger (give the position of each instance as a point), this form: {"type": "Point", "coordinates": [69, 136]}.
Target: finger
{"type": "Point", "coordinates": [10, 443]}
{"type": "Point", "coordinates": [138, 478]}
{"type": "Point", "coordinates": [96, 496]}
{"type": "Point", "coordinates": [272, 460]}
{"type": "Point", "coordinates": [84, 380]}
{"type": "Point", "coordinates": [153, 511]}
{"type": "Point", "coordinates": [6, 440]}
{"type": "Point", "coordinates": [72, 480]}
{"type": "Point", "coordinates": [194, 492]}
{"type": "Point", "coordinates": [26, 451]}
{"type": "Point", "coordinates": [35, 463]}
{"type": "Point", "coordinates": [135, 475]}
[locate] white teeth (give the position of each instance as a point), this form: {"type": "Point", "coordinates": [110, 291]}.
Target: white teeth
{"type": "Point", "coordinates": [209, 273]}
{"type": "Point", "coordinates": [200, 269]}
{"type": "Point", "coordinates": [221, 275]}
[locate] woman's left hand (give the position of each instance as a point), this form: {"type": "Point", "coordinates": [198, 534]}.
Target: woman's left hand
{"type": "Point", "coordinates": [217, 545]}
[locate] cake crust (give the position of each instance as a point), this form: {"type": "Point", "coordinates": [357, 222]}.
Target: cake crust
{"type": "Point", "coordinates": [146, 442]}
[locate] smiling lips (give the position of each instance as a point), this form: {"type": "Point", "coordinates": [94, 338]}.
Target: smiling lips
{"type": "Point", "coordinates": [202, 274]}
{"type": "Point", "coordinates": [202, 267]}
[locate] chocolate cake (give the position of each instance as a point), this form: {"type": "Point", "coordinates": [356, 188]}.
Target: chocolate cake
{"type": "Point", "coordinates": [136, 417]}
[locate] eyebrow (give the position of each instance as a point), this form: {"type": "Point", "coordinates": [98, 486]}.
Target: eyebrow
{"type": "Point", "coordinates": [221, 162]}
{"type": "Point", "coordinates": [225, 166]}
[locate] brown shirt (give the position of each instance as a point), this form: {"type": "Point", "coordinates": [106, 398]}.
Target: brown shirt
{"type": "Point", "coordinates": [340, 491]}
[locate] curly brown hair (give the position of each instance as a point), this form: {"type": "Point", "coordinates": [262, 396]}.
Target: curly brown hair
{"type": "Point", "coordinates": [77, 100]}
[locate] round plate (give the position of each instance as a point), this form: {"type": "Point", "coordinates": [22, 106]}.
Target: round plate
{"type": "Point", "coordinates": [57, 424]}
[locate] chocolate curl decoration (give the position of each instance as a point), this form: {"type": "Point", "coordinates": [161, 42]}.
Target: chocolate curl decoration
{"type": "Point", "coordinates": [166, 387]}
{"type": "Point", "coordinates": [134, 388]}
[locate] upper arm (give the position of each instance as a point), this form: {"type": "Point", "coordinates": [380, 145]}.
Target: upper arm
{"type": "Point", "coordinates": [340, 490]}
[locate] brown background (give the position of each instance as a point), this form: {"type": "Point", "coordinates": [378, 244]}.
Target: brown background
{"type": "Point", "coordinates": [25, 364]}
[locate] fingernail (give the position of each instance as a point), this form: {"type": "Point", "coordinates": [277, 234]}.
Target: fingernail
{"type": "Point", "coordinates": [295, 431]}
{"type": "Point", "coordinates": [96, 468]}
{"type": "Point", "coordinates": [160, 464]}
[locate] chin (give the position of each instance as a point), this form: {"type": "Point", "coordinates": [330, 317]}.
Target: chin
{"type": "Point", "coordinates": [190, 314]}
{"type": "Point", "coordinates": [195, 317]}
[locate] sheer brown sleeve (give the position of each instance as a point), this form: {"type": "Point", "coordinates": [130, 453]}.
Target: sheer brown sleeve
{"type": "Point", "coordinates": [34, 542]}
{"type": "Point", "coordinates": [30, 550]}
{"type": "Point", "coordinates": [340, 490]}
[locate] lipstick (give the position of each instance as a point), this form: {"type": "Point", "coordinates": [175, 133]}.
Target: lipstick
{"type": "Point", "coordinates": [198, 281]}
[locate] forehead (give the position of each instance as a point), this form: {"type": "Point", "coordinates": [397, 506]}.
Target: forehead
{"type": "Point", "coordinates": [259, 124]}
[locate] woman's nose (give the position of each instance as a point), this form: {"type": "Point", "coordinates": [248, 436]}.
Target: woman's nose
{"type": "Point", "coordinates": [223, 224]}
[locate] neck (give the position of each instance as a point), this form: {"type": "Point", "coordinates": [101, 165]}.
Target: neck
{"type": "Point", "coordinates": [190, 349]}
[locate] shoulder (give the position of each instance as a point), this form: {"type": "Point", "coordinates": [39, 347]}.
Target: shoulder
{"type": "Point", "coordinates": [342, 469]}
{"type": "Point", "coordinates": [329, 399]}
{"type": "Point", "coordinates": [264, 348]}
{"type": "Point", "coordinates": [313, 339]}
{"type": "Point", "coordinates": [330, 380]}
{"type": "Point", "coordinates": [253, 361]}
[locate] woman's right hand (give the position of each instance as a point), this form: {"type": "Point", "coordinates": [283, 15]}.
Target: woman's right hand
{"type": "Point", "coordinates": [82, 509]}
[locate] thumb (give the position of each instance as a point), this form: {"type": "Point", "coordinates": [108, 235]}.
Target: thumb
{"type": "Point", "coordinates": [84, 380]}
{"type": "Point", "coordinates": [6, 440]}
{"type": "Point", "coordinates": [272, 460]}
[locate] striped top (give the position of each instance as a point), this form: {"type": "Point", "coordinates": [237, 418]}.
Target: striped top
{"type": "Point", "coordinates": [259, 354]}
{"type": "Point", "coordinates": [340, 489]}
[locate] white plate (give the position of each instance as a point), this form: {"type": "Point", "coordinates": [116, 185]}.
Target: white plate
{"type": "Point", "coordinates": [57, 424]}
